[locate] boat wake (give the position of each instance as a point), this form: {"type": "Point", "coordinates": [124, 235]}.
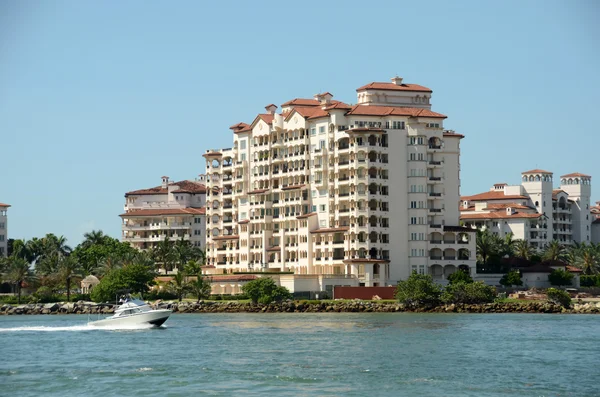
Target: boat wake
{"type": "Point", "coordinates": [85, 327]}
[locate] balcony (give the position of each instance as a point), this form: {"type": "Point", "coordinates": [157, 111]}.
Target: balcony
{"type": "Point", "coordinates": [436, 210]}
{"type": "Point", "coordinates": [432, 194]}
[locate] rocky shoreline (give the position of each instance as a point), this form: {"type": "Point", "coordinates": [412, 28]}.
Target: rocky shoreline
{"type": "Point", "coordinates": [303, 307]}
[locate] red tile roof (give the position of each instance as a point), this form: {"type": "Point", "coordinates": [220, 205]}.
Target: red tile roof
{"type": "Point", "coordinates": [166, 211]}
{"type": "Point", "coordinates": [496, 207]}
{"type": "Point", "coordinates": [331, 230]}
{"type": "Point", "coordinates": [573, 269]}
{"type": "Point", "coordinates": [499, 215]}
{"type": "Point", "coordinates": [301, 102]}
{"type": "Point", "coordinates": [576, 175]}
{"type": "Point", "coordinates": [276, 248]}
{"type": "Point", "coordinates": [244, 221]}
{"type": "Point", "coordinates": [184, 187]}
{"type": "Point", "coordinates": [394, 87]}
{"type": "Point", "coordinates": [537, 171]}
{"type": "Point", "coordinates": [231, 277]}
{"type": "Point", "coordinates": [339, 105]}
{"type": "Point", "coordinates": [371, 110]}
{"type": "Point", "coordinates": [267, 118]}
{"type": "Point", "coordinates": [4, 205]}
{"type": "Point", "coordinates": [240, 127]}
{"type": "Point", "coordinates": [212, 154]}
{"type": "Point", "coordinates": [307, 112]}
{"type": "Point", "coordinates": [492, 196]}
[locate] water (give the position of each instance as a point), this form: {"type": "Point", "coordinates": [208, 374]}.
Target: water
{"type": "Point", "coordinates": [304, 355]}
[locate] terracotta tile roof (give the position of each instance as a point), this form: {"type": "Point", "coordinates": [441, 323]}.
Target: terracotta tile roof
{"type": "Point", "coordinates": [165, 211]}
{"type": "Point", "coordinates": [226, 238]}
{"type": "Point", "coordinates": [302, 102]}
{"type": "Point", "coordinates": [576, 175]}
{"type": "Point", "coordinates": [240, 127]}
{"type": "Point", "coordinates": [499, 215]}
{"type": "Point", "coordinates": [365, 129]}
{"type": "Point", "coordinates": [258, 191]}
{"type": "Point", "coordinates": [573, 269]}
{"type": "Point", "coordinates": [492, 196]}
{"type": "Point", "coordinates": [370, 110]}
{"type": "Point", "coordinates": [244, 221]}
{"type": "Point", "coordinates": [212, 154]}
{"type": "Point", "coordinates": [306, 215]}
{"type": "Point", "coordinates": [394, 87]}
{"type": "Point", "coordinates": [184, 187]}
{"type": "Point", "coordinates": [4, 205]}
{"type": "Point", "coordinates": [555, 192]}
{"type": "Point", "coordinates": [292, 187]}
{"type": "Point", "coordinates": [331, 230]}
{"type": "Point", "coordinates": [596, 221]}
{"type": "Point", "coordinates": [269, 105]}
{"type": "Point", "coordinates": [276, 248]}
{"type": "Point", "coordinates": [449, 134]}
{"type": "Point", "coordinates": [536, 171]}
{"type": "Point", "coordinates": [267, 118]}
{"type": "Point", "coordinates": [339, 105]}
{"type": "Point", "coordinates": [507, 205]}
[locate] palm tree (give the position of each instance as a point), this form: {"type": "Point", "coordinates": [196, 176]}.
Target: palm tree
{"type": "Point", "coordinates": [111, 262]}
{"type": "Point", "coordinates": [178, 285]}
{"type": "Point", "coordinates": [486, 245]}
{"type": "Point", "coordinates": [200, 287]}
{"type": "Point", "coordinates": [588, 259]}
{"type": "Point", "coordinates": [95, 237]}
{"type": "Point", "coordinates": [18, 271]}
{"type": "Point", "coordinates": [183, 252]}
{"type": "Point", "coordinates": [507, 245]}
{"type": "Point", "coordinates": [523, 249]}
{"type": "Point", "coordinates": [553, 251]}
{"type": "Point", "coordinates": [68, 268]}
{"type": "Point", "coordinates": [48, 252]}
{"type": "Point", "coordinates": [572, 253]}
{"type": "Point", "coordinates": [164, 254]}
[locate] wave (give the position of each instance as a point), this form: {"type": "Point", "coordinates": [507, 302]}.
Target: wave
{"type": "Point", "coordinates": [85, 327]}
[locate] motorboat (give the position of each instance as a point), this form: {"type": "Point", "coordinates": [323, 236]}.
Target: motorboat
{"type": "Point", "coordinates": [134, 312]}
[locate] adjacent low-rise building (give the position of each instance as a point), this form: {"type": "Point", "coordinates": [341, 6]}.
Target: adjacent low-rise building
{"type": "Point", "coordinates": [534, 210]}
{"type": "Point", "coordinates": [365, 193]}
{"type": "Point", "coordinates": [3, 229]}
{"type": "Point", "coordinates": [174, 210]}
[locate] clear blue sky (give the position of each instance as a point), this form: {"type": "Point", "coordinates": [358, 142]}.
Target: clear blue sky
{"type": "Point", "coordinates": [99, 98]}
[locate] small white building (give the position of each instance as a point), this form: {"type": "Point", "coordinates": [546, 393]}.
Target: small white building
{"type": "Point", "coordinates": [534, 210]}
{"type": "Point", "coordinates": [174, 210]}
{"type": "Point", "coordinates": [3, 229]}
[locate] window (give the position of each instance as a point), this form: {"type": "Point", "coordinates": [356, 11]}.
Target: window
{"type": "Point", "coordinates": [322, 223]}
{"type": "Point", "coordinates": [314, 193]}
{"type": "Point", "coordinates": [243, 157]}
{"type": "Point", "coordinates": [322, 143]}
{"type": "Point", "coordinates": [321, 129]}
{"type": "Point", "coordinates": [313, 131]}
{"type": "Point", "coordinates": [323, 192]}
{"type": "Point", "coordinates": [322, 208]}
{"type": "Point", "coordinates": [1, 237]}
{"type": "Point", "coordinates": [413, 220]}
{"type": "Point", "coordinates": [413, 204]}
{"type": "Point", "coordinates": [2, 226]}
{"type": "Point", "coordinates": [314, 208]}
{"type": "Point", "coordinates": [243, 144]}
{"type": "Point", "coordinates": [433, 125]}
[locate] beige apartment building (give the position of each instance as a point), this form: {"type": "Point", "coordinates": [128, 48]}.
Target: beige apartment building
{"type": "Point", "coordinates": [173, 210]}
{"type": "Point", "coordinates": [3, 229]}
{"type": "Point", "coordinates": [534, 210]}
{"type": "Point", "coordinates": [363, 192]}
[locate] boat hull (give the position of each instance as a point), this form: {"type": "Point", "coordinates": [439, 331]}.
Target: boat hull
{"type": "Point", "coordinates": [154, 317]}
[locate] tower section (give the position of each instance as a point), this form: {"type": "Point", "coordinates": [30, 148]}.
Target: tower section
{"type": "Point", "coordinates": [579, 188]}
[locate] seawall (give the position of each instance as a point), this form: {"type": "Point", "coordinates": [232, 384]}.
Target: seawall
{"type": "Point", "coordinates": [303, 307]}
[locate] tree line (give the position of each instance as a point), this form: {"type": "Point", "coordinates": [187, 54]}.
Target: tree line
{"type": "Point", "coordinates": [49, 265]}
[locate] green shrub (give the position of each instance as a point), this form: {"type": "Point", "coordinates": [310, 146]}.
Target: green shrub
{"type": "Point", "coordinates": [560, 277]}
{"type": "Point", "coordinates": [418, 290]}
{"type": "Point", "coordinates": [590, 280]}
{"type": "Point", "coordinates": [559, 297]}
{"type": "Point", "coordinates": [460, 276]}
{"type": "Point", "coordinates": [264, 290]}
{"type": "Point", "coordinates": [470, 293]}
{"type": "Point", "coordinates": [511, 278]}
{"type": "Point", "coordinates": [157, 294]}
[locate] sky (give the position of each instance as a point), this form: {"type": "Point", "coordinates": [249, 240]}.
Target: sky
{"type": "Point", "coordinates": [100, 98]}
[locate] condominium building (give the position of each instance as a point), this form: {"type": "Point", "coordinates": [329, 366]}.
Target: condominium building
{"type": "Point", "coordinates": [534, 210]}
{"type": "Point", "coordinates": [595, 214]}
{"type": "Point", "coordinates": [367, 191]}
{"type": "Point", "coordinates": [173, 209]}
{"type": "Point", "coordinates": [3, 229]}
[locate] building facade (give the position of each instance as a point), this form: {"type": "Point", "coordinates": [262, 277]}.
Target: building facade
{"type": "Point", "coordinates": [4, 229]}
{"type": "Point", "coordinates": [595, 214]}
{"type": "Point", "coordinates": [366, 192]}
{"type": "Point", "coordinates": [534, 210]}
{"type": "Point", "coordinates": [173, 209]}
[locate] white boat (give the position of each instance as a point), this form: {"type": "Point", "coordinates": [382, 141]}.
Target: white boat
{"type": "Point", "coordinates": [134, 312]}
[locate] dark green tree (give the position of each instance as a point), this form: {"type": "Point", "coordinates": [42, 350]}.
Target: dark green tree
{"type": "Point", "coordinates": [418, 290]}
{"type": "Point", "coordinates": [511, 278]}
{"type": "Point", "coordinates": [460, 276]}
{"type": "Point", "coordinates": [469, 293]}
{"type": "Point", "coordinates": [200, 287]}
{"type": "Point", "coordinates": [264, 290]}
{"type": "Point", "coordinates": [68, 268]}
{"type": "Point", "coordinates": [560, 277]}
{"type": "Point", "coordinates": [136, 278]}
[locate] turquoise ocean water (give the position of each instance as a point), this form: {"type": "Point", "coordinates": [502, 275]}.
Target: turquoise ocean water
{"type": "Point", "coordinates": [305, 355]}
